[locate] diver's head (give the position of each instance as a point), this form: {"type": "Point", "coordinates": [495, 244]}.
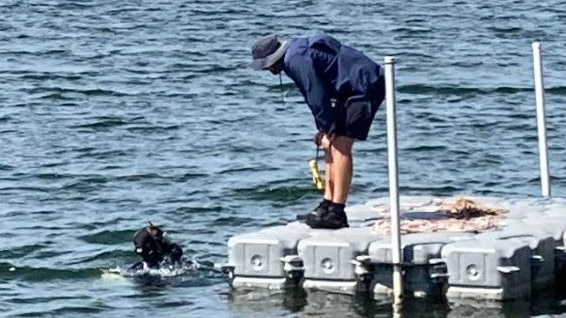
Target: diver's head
{"type": "Point", "coordinates": [155, 232]}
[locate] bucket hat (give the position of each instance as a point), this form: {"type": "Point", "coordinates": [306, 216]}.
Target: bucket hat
{"type": "Point", "coordinates": [266, 51]}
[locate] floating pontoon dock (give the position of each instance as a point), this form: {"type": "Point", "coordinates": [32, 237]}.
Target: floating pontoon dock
{"type": "Point", "coordinates": [525, 254]}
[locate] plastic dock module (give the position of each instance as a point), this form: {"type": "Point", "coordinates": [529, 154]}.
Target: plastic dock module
{"type": "Point", "coordinates": [554, 223]}
{"type": "Point", "coordinates": [425, 274]}
{"type": "Point", "coordinates": [489, 269]}
{"type": "Point", "coordinates": [511, 255]}
{"type": "Point", "coordinates": [542, 246]}
{"type": "Point", "coordinates": [267, 258]}
{"type": "Point", "coordinates": [328, 259]}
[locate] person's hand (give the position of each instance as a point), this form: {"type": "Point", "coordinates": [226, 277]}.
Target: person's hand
{"type": "Point", "coordinates": [318, 138]}
{"type": "Point", "coordinates": [326, 141]}
{"type": "Point", "coordinates": [176, 252]}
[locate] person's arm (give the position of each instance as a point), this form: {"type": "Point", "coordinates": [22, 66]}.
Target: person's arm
{"type": "Point", "coordinates": [301, 69]}
{"type": "Point", "coordinates": [174, 250]}
{"type": "Point", "coordinates": [140, 240]}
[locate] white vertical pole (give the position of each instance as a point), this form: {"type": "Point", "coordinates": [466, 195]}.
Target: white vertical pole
{"type": "Point", "coordinates": [541, 120]}
{"type": "Point", "coordinates": [393, 177]}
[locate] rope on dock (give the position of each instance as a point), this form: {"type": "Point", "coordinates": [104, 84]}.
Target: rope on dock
{"type": "Point", "coordinates": [463, 215]}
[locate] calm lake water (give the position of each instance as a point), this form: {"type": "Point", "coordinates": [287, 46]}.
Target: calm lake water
{"type": "Point", "coordinates": [115, 113]}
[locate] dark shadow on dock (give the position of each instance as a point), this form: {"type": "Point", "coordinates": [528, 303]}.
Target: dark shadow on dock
{"type": "Point", "coordinates": [431, 216]}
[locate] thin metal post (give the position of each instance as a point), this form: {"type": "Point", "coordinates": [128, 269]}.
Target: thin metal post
{"type": "Point", "coordinates": [393, 178]}
{"type": "Point", "coordinates": [541, 120]}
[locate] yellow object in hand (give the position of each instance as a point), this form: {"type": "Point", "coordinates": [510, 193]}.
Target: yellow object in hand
{"type": "Point", "coordinates": [316, 178]}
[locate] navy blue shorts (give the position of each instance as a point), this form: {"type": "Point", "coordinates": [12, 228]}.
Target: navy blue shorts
{"type": "Point", "coordinates": [355, 116]}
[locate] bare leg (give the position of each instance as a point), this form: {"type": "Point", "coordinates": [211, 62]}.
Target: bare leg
{"type": "Point", "coordinates": [341, 168]}
{"type": "Point", "coordinates": [328, 178]}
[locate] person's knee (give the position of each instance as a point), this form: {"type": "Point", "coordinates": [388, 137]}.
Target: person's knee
{"type": "Point", "coordinates": [343, 145]}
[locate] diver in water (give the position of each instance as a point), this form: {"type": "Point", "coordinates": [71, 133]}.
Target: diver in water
{"type": "Point", "coordinates": [154, 247]}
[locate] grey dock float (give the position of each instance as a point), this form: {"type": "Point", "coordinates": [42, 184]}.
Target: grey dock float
{"type": "Point", "coordinates": [266, 258]}
{"type": "Point", "coordinates": [543, 252]}
{"type": "Point", "coordinates": [491, 269]}
{"type": "Point", "coordinates": [328, 258]}
{"type": "Point", "coordinates": [425, 273]}
{"type": "Point", "coordinates": [525, 254]}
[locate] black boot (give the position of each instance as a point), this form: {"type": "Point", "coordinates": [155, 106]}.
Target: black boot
{"type": "Point", "coordinates": [321, 209]}
{"type": "Point", "coordinates": [334, 219]}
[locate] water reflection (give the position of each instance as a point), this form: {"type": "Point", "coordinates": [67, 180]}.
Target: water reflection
{"type": "Point", "coordinates": [300, 303]}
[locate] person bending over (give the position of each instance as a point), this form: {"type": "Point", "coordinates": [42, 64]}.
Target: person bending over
{"type": "Point", "coordinates": [323, 69]}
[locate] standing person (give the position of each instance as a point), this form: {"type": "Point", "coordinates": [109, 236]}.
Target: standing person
{"type": "Point", "coordinates": [325, 70]}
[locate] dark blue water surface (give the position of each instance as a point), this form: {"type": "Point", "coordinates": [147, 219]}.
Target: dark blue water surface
{"type": "Point", "coordinates": [115, 113]}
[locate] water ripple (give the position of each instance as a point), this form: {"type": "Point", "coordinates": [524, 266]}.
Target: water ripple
{"type": "Point", "coordinates": [118, 113]}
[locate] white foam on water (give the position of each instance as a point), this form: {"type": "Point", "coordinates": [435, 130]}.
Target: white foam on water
{"type": "Point", "coordinates": [119, 273]}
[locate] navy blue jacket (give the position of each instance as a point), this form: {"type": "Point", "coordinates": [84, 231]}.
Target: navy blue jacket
{"type": "Point", "coordinates": [324, 69]}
